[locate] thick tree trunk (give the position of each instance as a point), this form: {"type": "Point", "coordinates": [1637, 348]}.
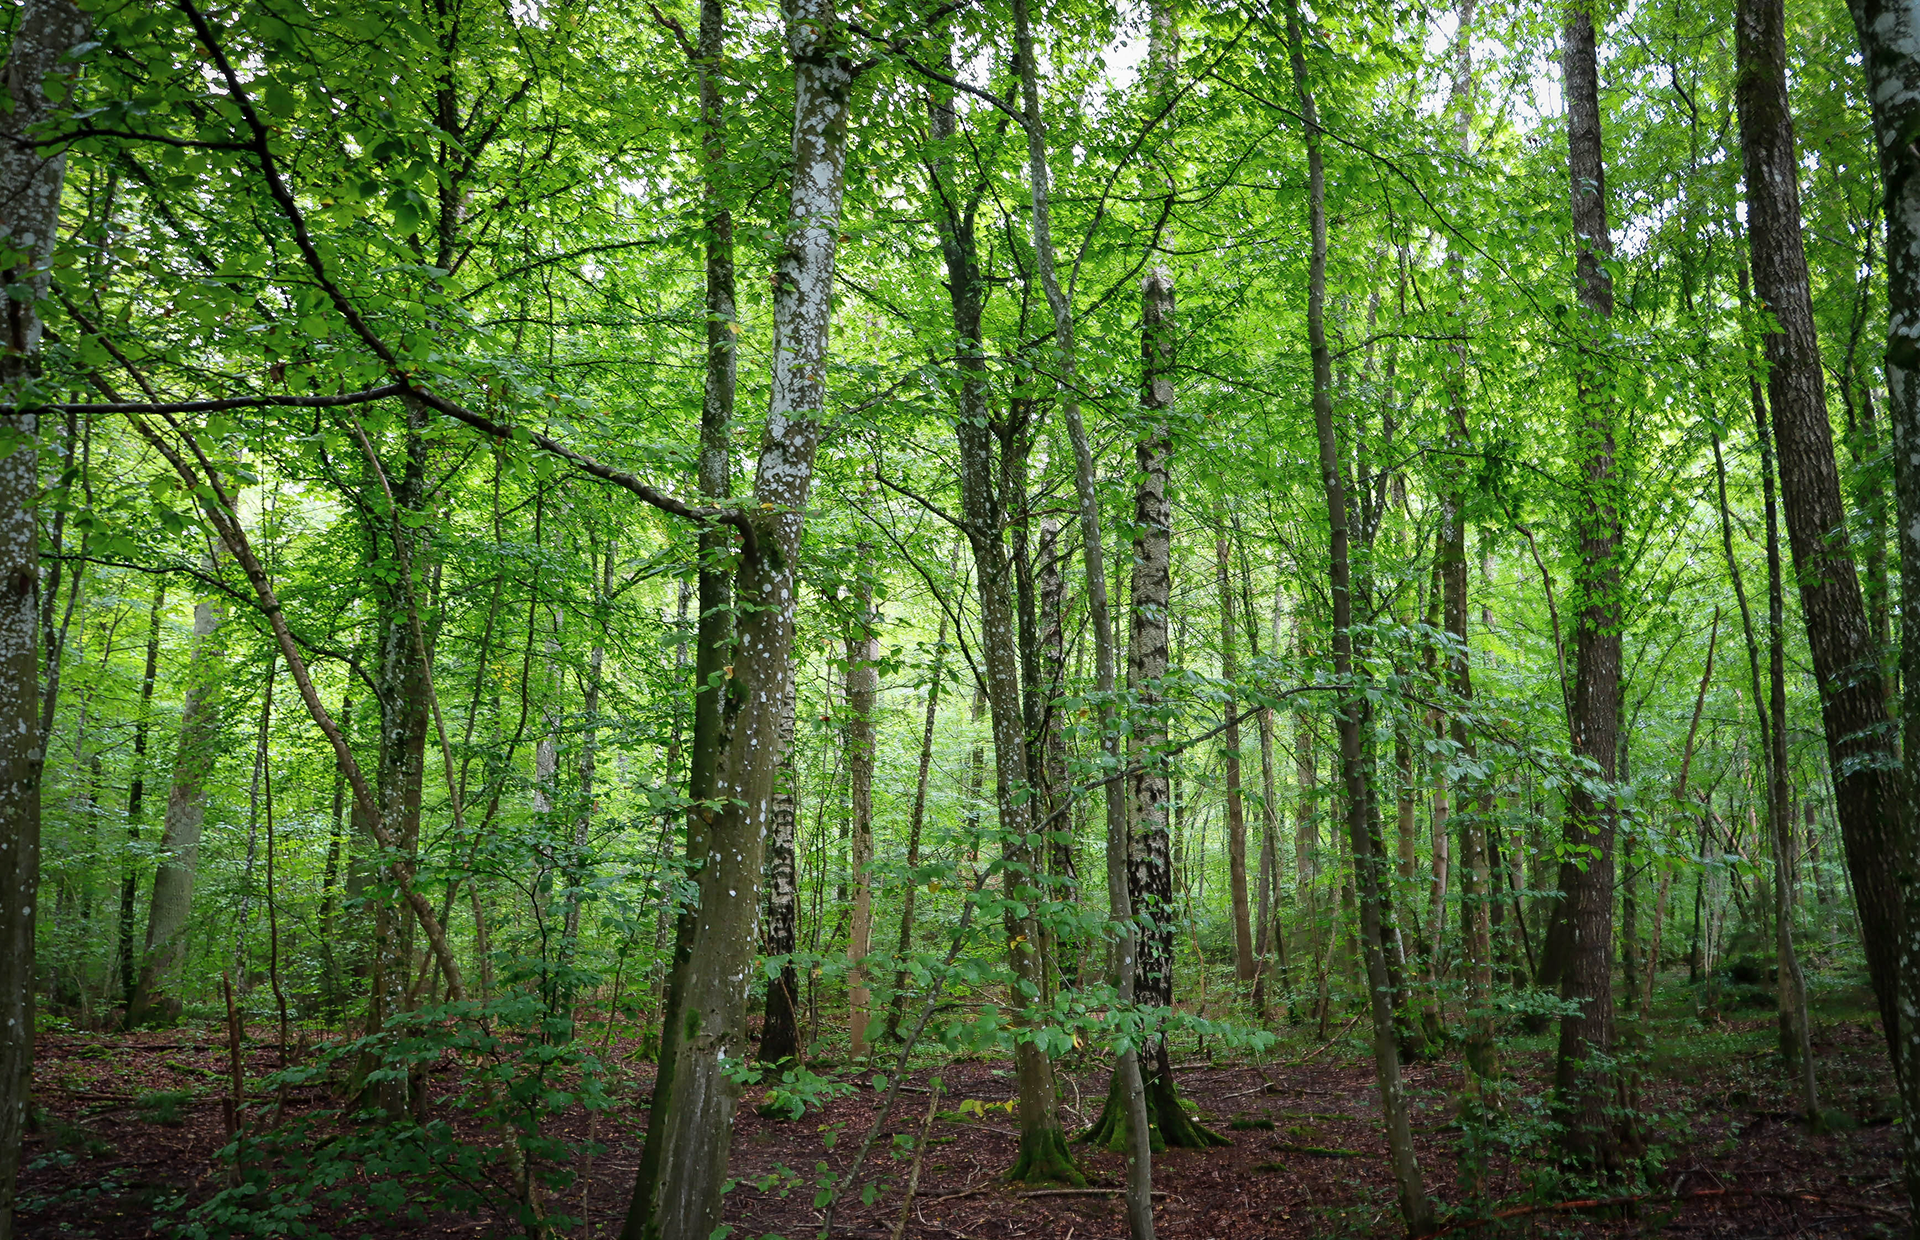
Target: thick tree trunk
{"type": "Point", "coordinates": [863, 686]}
{"type": "Point", "coordinates": [683, 1169]}
{"type": "Point", "coordinates": [1245, 963]}
{"type": "Point", "coordinates": [1369, 868]}
{"type": "Point", "coordinates": [1588, 1088]}
{"type": "Point", "coordinates": [30, 185]}
{"type": "Point", "coordinates": [137, 794]}
{"type": "Point", "coordinates": [1889, 33]}
{"type": "Point", "coordinates": [780, 1034]}
{"type": "Point", "coordinates": [1845, 662]}
{"type": "Point", "coordinates": [172, 894]}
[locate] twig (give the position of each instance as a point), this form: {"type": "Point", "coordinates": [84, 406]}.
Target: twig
{"type": "Point", "coordinates": [913, 1174]}
{"type": "Point", "coordinates": [1084, 1192]}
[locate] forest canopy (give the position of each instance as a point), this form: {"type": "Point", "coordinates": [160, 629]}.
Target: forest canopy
{"type": "Point", "coordinates": [643, 581]}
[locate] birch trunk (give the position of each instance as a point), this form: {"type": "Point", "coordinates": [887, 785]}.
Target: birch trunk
{"type": "Point", "coordinates": [1889, 33]}
{"type": "Point", "coordinates": [683, 1169]}
{"type": "Point", "coordinates": [780, 1034]}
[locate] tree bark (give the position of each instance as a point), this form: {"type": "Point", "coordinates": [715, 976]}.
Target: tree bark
{"type": "Point", "coordinates": [1587, 1087]}
{"type": "Point", "coordinates": [1370, 868]}
{"type": "Point", "coordinates": [1889, 34]}
{"type": "Point", "coordinates": [896, 1009]}
{"type": "Point", "coordinates": [137, 794]}
{"type": "Point", "coordinates": [30, 185]}
{"type": "Point", "coordinates": [1846, 664]}
{"type": "Point", "coordinates": [863, 686]}
{"type": "Point", "coordinates": [1059, 303]}
{"type": "Point", "coordinates": [780, 1033]}
{"type": "Point", "coordinates": [1245, 963]}
{"type": "Point", "coordinates": [683, 1168]}
{"type": "Point", "coordinates": [172, 894]}
{"type": "Point", "coordinates": [1043, 1153]}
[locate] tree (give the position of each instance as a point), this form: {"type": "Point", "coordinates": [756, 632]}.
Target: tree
{"type": "Point", "coordinates": [1586, 1082]}
{"type": "Point", "coordinates": [30, 188]}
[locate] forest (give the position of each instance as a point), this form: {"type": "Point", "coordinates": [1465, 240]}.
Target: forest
{"type": "Point", "coordinates": [959, 618]}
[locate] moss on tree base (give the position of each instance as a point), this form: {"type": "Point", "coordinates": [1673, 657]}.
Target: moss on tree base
{"type": "Point", "coordinates": [1045, 1159]}
{"type": "Point", "coordinates": [1168, 1120]}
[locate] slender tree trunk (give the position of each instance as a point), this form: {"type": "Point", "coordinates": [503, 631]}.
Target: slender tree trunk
{"type": "Point", "coordinates": [1043, 1153]}
{"type": "Point", "coordinates": [683, 1169]}
{"type": "Point", "coordinates": [137, 793]}
{"type": "Point", "coordinates": [1370, 869]}
{"type": "Point", "coordinates": [1245, 963]}
{"type": "Point", "coordinates": [1476, 887]}
{"type": "Point", "coordinates": [780, 1034]}
{"type": "Point", "coordinates": [1796, 1044]}
{"type": "Point", "coordinates": [896, 1009]}
{"type": "Point", "coordinates": [863, 686]}
{"type": "Point", "coordinates": [589, 756]}
{"type": "Point", "coordinates": [1150, 855]}
{"type": "Point", "coordinates": [404, 723]}
{"type": "Point", "coordinates": [1271, 947]}
{"type": "Point", "coordinates": [185, 815]}
{"type": "Point", "coordinates": [1060, 304]}
{"type": "Point", "coordinates": [1053, 796]}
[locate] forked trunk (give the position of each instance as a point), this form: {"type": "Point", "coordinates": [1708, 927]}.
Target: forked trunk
{"type": "Point", "coordinates": [683, 1170]}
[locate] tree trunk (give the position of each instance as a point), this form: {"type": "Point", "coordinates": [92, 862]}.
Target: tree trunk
{"type": "Point", "coordinates": [404, 720]}
{"type": "Point", "coordinates": [1245, 963]}
{"type": "Point", "coordinates": [780, 1033]}
{"type": "Point", "coordinates": [137, 793]}
{"type": "Point", "coordinates": [863, 686]}
{"type": "Point", "coordinates": [1093, 548]}
{"type": "Point", "coordinates": [1845, 662]}
{"type": "Point", "coordinates": [1587, 1087]}
{"type": "Point", "coordinates": [1370, 869]}
{"type": "Point", "coordinates": [896, 1010]}
{"type": "Point", "coordinates": [1043, 1153]}
{"type": "Point", "coordinates": [683, 1168]}
{"type": "Point", "coordinates": [1890, 47]}
{"type": "Point", "coordinates": [1476, 887]}
{"type": "Point", "coordinates": [172, 895]}
{"type": "Point", "coordinates": [30, 185]}
{"type": "Point", "coordinates": [1271, 946]}
{"type": "Point", "coordinates": [1796, 1043]}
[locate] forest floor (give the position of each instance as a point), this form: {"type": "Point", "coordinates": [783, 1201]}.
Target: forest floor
{"type": "Point", "coordinates": [1728, 1155]}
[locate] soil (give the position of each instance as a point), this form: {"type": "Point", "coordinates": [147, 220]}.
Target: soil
{"type": "Point", "coordinates": [1729, 1155]}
